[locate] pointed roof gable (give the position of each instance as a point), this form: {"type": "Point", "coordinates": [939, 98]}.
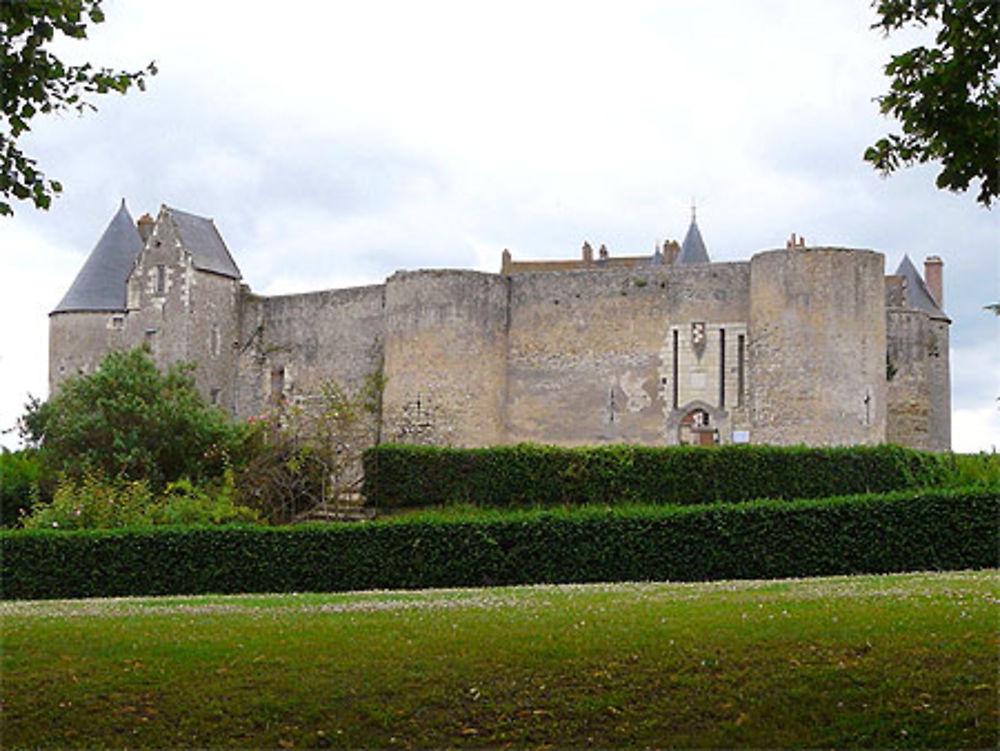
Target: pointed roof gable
{"type": "Point", "coordinates": [917, 294]}
{"type": "Point", "coordinates": [693, 248]}
{"type": "Point", "coordinates": [201, 238]}
{"type": "Point", "coordinates": [100, 285]}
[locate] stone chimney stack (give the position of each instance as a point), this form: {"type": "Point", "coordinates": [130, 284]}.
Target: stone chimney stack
{"type": "Point", "coordinates": [588, 253]}
{"type": "Point", "coordinates": [145, 226]}
{"type": "Point", "coordinates": [933, 268]}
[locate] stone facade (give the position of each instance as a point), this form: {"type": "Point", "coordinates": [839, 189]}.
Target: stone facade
{"type": "Point", "coordinates": [799, 345]}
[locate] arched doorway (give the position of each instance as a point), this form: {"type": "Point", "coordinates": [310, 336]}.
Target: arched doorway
{"type": "Point", "coordinates": [696, 429]}
{"type": "Point", "coordinates": [697, 424]}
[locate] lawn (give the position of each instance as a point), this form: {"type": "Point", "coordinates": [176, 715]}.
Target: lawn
{"type": "Point", "coordinates": [876, 661]}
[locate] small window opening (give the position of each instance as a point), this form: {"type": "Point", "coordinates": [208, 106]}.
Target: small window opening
{"type": "Point", "coordinates": [675, 367]}
{"type": "Point", "coordinates": [277, 385]}
{"type": "Point", "coordinates": [740, 367]}
{"type": "Point", "coordinates": [160, 286]}
{"type": "Point", "coordinates": [722, 368]}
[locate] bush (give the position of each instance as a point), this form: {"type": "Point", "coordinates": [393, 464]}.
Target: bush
{"type": "Point", "coordinates": [20, 477]}
{"type": "Point", "coordinates": [980, 469]}
{"type": "Point", "coordinates": [95, 502]}
{"type": "Point", "coordinates": [903, 531]}
{"type": "Point", "coordinates": [527, 474]}
{"type": "Point", "coordinates": [126, 419]}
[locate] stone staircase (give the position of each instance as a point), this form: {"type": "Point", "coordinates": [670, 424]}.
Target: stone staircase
{"type": "Point", "coordinates": [349, 507]}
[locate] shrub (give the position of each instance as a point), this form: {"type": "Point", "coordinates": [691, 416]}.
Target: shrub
{"type": "Point", "coordinates": [95, 502]}
{"type": "Point", "coordinates": [527, 474]}
{"type": "Point", "coordinates": [184, 504]}
{"type": "Point", "coordinates": [20, 475]}
{"type": "Point", "coordinates": [981, 469]}
{"type": "Point", "coordinates": [903, 531]}
{"type": "Point", "coordinates": [126, 419]}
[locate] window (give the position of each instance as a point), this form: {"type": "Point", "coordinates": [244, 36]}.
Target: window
{"type": "Point", "coordinates": [216, 341]}
{"type": "Point", "coordinates": [722, 368]}
{"type": "Point", "coordinates": [740, 360]}
{"type": "Point", "coordinates": [675, 368]}
{"type": "Point", "coordinates": [213, 396]}
{"type": "Point", "coordinates": [160, 283]}
{"type": "Point", "coordinates": [277, 385]}
{"type": "Point", "coordinates": [117, 321]}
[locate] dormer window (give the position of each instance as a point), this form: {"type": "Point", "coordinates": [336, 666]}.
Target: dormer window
{"type": "Point", "coordinates": [160, 282]}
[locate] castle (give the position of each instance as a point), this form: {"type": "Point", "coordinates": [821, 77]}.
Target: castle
{"type": "Point", "coordinates": [798, 345]}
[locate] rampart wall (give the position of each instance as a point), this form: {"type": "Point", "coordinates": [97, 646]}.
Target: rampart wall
{"type": "Point", "coordinates": [590, 352]}
{"type": "Point", "coordinates": [290, 344]}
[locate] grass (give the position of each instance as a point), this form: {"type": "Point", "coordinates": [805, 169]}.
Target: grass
{"type": "Point", "coordinates": [887, 661]}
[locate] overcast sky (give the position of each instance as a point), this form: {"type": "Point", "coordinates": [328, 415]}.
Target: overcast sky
{"type": "Point", "coordinates": [336, 142]}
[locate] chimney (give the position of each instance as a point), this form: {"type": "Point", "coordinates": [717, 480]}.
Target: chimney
{"type": "Point", "coordinates": [505, 262]}
{"type": "Point", "coordinates": [588, 254]}
{"type": "Point", "coordinates": [670, 252]}
{"type": "Point", "coordinates": [933, 267]}
{"type": "Point", "coordinates": [145, 226]}
{"type": "Point", "coordinates": [602, 252]}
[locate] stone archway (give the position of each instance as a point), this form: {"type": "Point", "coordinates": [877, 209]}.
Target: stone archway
{"type": "Point", "coordinates": [698, 423]}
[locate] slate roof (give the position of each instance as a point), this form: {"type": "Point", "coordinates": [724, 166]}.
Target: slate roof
{"type": "Point", "coordinates": [693, 248]}
{"type": "Point", "coordinates": [100, 285]}
{"type": "Point", "coordinates": [917, 294]}
{"type": "Point", "coordinates": [203, 241]}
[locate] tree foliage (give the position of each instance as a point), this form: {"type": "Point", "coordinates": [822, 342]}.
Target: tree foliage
{"type": "Point", "coordinates": [307, 454]}
{"type": "Point", "coordinates": [946, 96]}
{"type": "Point", "coordinates": [33, 81]}
{"type": "Point", "coordinates": [128, 420]}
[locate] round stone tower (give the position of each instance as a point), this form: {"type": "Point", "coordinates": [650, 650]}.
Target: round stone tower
{"type": "Point", "coordinates": [445, 356]}
{"type": "Point", "coordinates": [817, 347]}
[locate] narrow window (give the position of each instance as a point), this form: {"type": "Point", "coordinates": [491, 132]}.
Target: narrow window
{"type": "Point", "coordinates": [277, 385]}
{"type": "Point", "coordinates": [213, 396]}
{"type": "Point", "coordinates": [722, 367]}
{"type": "Point", "coordinates": [216, 341]}
{"type": "Point", "coordinates": [676, 338]}
{"type": "Point", "coordinates": [740, 360]}
{"type": "Point", "coordinates": [161, 280]}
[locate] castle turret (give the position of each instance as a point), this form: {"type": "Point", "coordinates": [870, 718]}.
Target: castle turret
{"type": "Point", "coordinates": [919, 378]}
{"type": "Point", "coordinates": [817, 347]}
{"type": "Point", "coordinates": [89, 320]}
{"type": "Point", "coordinates": [693, 248]}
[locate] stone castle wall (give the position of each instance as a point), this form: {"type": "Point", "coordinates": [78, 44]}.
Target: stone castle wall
{"type": "Point", "coordinates": [591, 352]}
{"type": "Point", "coordinates": [790, 347]}
{"type": "Point", "coordinates": [290, 344]}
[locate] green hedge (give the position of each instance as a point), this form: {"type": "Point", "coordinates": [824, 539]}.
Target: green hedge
{"type": "Point", "coordinates": [399, 476]}
{"type": "Point", "coordinates": [903, 531]}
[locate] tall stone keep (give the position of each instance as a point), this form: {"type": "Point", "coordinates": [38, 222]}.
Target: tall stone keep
{"type": "Point", "coordinates": [817, 347]}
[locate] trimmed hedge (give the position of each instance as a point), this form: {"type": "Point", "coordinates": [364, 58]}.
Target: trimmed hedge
{"type": "Point", "coordinates": [399, 476]}
{"type": "Point", "coordinates": [902, 531]}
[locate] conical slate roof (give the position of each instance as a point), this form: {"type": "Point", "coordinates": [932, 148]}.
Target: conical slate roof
{"type": "Point", "coordinates": [693, 248]}
{"type": "Point", "coordinates": [100, 285]}
{"type": "Point", "coordinates": [917, 294]}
